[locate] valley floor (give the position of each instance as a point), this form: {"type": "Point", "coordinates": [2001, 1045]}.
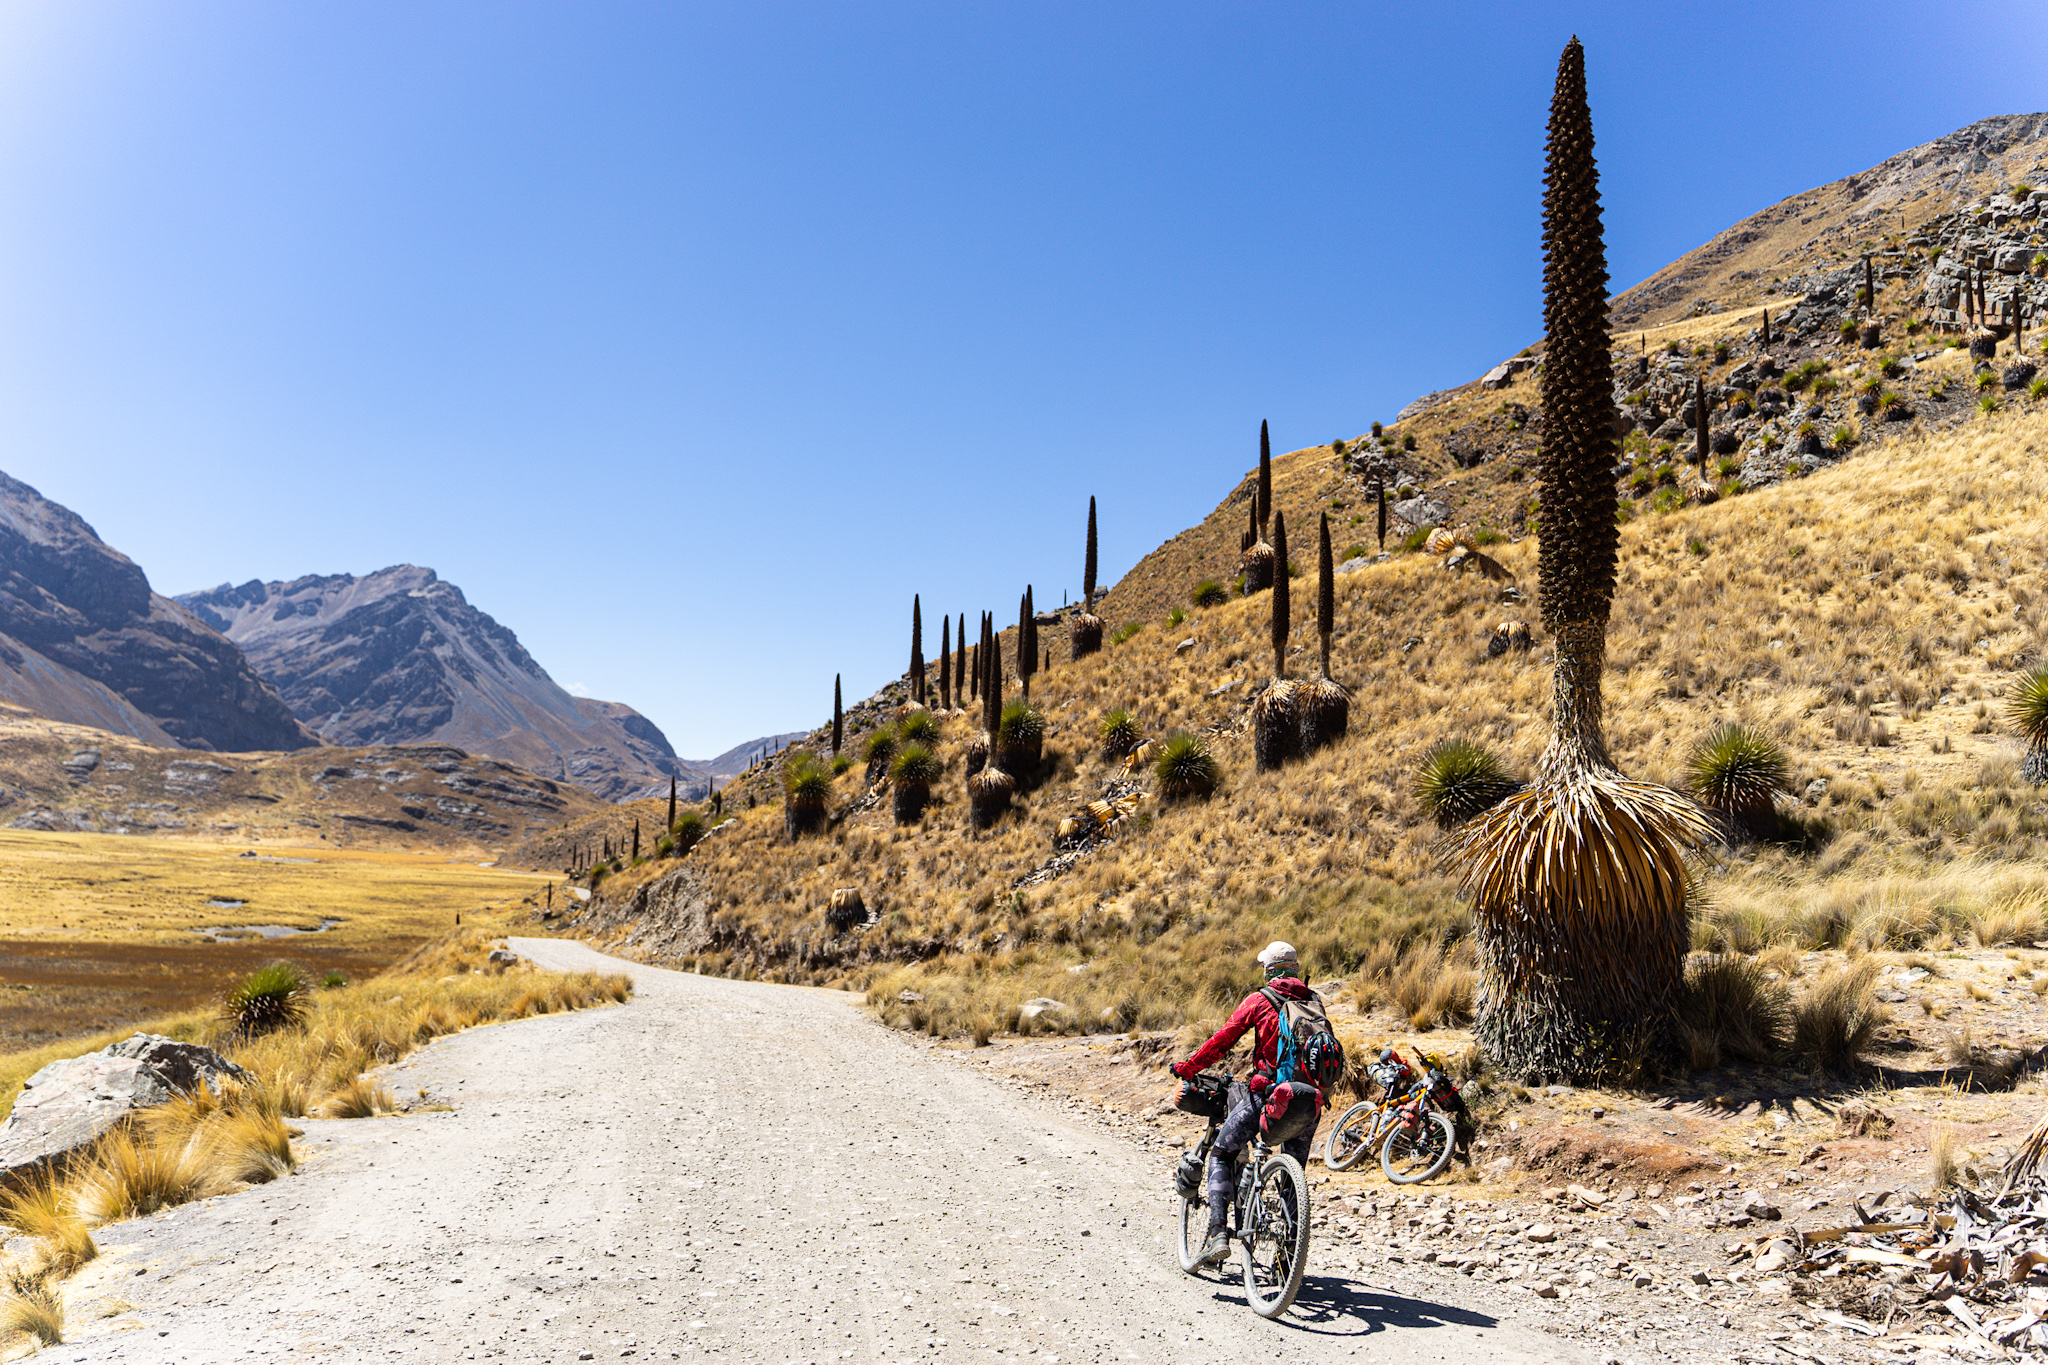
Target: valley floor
{"type": "Point", "coordinates": [745, 1171]}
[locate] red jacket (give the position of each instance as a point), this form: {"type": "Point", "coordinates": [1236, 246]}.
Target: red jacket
{"type": "Point", "coordinates": [1256, 1013]}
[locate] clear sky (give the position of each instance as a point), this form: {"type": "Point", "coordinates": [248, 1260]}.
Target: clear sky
{"type": "Point", "coordinates": [691, 340]}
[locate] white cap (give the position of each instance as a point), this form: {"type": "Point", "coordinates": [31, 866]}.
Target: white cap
{"type": "Point", "coordinates": [1275, 953]}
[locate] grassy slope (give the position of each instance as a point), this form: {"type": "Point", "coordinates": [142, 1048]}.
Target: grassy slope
{"type": "Point", "coordinates": [1868, 615]}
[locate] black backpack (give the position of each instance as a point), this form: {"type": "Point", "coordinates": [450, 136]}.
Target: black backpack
{"type": "Point", "coordinates": [1309, 1049]}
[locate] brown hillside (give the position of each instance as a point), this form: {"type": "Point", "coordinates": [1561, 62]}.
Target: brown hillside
{"type": "Point", "coordinates": [1869, 616]}
{"type": "Point", "coordinates": [68, 778]}
{"type": "Point", "coordinates": [1739, 268]}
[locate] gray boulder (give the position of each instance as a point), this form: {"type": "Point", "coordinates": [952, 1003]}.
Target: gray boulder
{"type": "Point", "coordinates": [1421, 511]}
{"type": "Point", "coordinates": [70, 1104]}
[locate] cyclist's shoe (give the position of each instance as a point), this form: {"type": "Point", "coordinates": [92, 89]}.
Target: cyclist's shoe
{"type": "Point", "coordinates": [1216, 1249]}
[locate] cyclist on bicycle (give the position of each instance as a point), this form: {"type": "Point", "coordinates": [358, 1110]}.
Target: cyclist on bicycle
{"type": "Point", "coordinates": [1247, 1097]}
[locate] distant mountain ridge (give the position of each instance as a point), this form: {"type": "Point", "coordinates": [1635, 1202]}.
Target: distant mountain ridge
{"type": "Point", "coordinates": [400, 656]}
{"type": "Point", "coordinates": [85, 641]}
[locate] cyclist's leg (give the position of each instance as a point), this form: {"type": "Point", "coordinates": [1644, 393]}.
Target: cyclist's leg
{"type": "Point", "coordinates": [1237, 1129]}
{"type": "Point", "coordinates": [1298, 1148]}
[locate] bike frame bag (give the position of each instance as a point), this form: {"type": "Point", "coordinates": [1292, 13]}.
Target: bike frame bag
{"type": "Point", "coordinates": [1292, 1110]}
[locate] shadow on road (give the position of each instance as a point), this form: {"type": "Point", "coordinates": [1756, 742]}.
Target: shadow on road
{"type": "Point", "coordinates": [1330, 1305]}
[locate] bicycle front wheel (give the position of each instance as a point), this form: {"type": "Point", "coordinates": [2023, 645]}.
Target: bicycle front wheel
{"type": "Point", "coordinates": [1275, 1251]}
{"type": "Point", "coordinates": [1194, 1231]}
{"type": "Point", "coordinates": [1349, 1137]}
{"type": "Point", "coordinates": [1414, 1154]}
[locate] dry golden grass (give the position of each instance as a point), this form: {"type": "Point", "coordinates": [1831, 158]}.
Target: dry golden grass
{"type": "Point", "coordinates": [1858, 616]}
{"type": "Point", "coordinates": [39, 1208]}
{"type": "Point", "coordinates": [33, 1308]}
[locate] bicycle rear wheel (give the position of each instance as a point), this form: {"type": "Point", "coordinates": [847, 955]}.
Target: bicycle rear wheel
{"type": "Point", "coordinates": [1275, 1251]}
{"type": "Point", "coordinates": [1411, 1155]}
{"type": "Point", "coordinates": [1349, 1137]}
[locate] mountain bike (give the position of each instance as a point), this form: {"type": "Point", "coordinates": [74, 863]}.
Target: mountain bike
{"type": "Point", "coordinates": [1268, 1220]}
{"type": "Point", "coordinates": [1408, 1123]}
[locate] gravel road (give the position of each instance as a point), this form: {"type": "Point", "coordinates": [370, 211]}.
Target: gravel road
{"type": "Point", "coordinates": [716, 1169]}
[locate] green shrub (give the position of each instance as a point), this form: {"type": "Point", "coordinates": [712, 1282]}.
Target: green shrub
{"type": "Point", "coordinates": [880, 748]}
{"type": "Point", "coordinates": [2038, 387]}
{"type": "Point", "coordinates": [1119, 733]}
{"type": "Point", "coordinates": [1184, 766]}
{"type": "Point", "coordinates": [915, 765]}
{"type": "Point", "coordinates": [1352, 552]}
{"type": "Point", "coordinates": [1458, 779]}
{"type": "Point", "coordinates": [1727, 465]}
{"type": "Point", "coordinates": [2026, 710]}
{"type": "Point", "coordinates": [270, 998]}
{"type": "Point", "coordinates": [1176, 617]}
{"type": "Point", "coordinates": [1825, 385]}
{"type": "Point", "coordinates": [1210, 593]}
{"type": "Point", "coordinates": [690, 829]}
{"type": "Point", "coordinates": [1414, 540]}
{"type": "Point", "coordinates": [1845, 437]}
{"type": "Point", "coordinates": [1738, 772]}
{"type": "Point", "coordinates": [1986, 381]}
{"type": "Point", "coordinates": [918, 728]}
{"type": "Point", "coordinates": [1667, 500]}
{"type": "Point", "coordinates": [841, 763]}
{"type": "Point", "coordinates": [1020, 724]}
{"type": "Point", "coordinates": [333, 981]}
{"type": "Point", "coordinates": [1891, 367]}
{"type": "Point", "coordinates": [1126, 631]}
{"type": "Point", "coordinates": [1486, 535]}
{"type": "Point", "coordinates": [1696, 547]}
{"type": "Point", "coordinates": [1988, 404]}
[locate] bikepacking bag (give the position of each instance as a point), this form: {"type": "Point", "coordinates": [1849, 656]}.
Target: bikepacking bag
{"type": "Point", "coordinates": [1292, 1110]}
{"type": "Point", "coordinates": [1188, 1178]}
{"type": "Point", "coordinates": [1206, 1096]}
{"type": "Point", "coordinates": [1309, 1050]}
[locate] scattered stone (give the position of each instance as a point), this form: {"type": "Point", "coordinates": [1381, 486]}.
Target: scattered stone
{"type": "Point", "coordinates": [1031, 1009]}
{"type": "Point", "coordinates": [1421, 511]}
{"type": "Point", "coordinates": [503, 957]}
{"type": "Point", "coordinates": [1539, 1232]}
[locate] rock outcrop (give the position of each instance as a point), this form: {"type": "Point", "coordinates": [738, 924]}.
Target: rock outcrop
{"type": "Point", "coordinates": [69, 1104]}
{"type": "Point", "coordinates": [401, 657]}
{"type": "Point", "coordinates": [84, 640]}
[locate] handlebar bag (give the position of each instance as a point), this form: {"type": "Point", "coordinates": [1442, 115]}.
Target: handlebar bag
{"type": "Point", "coordinates": [1205, 1096]}
{"type": "Point", "coordinates": [1292, 1110]}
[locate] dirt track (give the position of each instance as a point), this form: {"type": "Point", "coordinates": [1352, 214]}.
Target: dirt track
{"type": "Point", "coordinates": [717, 1168]}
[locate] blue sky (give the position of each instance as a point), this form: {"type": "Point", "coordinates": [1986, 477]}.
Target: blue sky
{"type": "Point", "coordinates": [692, 340]}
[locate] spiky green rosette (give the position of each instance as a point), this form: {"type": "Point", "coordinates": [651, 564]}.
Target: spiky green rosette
{"type": "Point", "coordinates": [806, 787]}
{"type": "Point", "coordinates": [1184, 767]}
{"type": "Point", "coordinates": [1457, 780]}
{"type": "Point", "coordinates": [911, 777]}
{"type": "Point", "coordinates": [1119, 733]}
{"type": "Point", "coordinates": [272, 997]}
{"type": "Point", "coordinates": [1738, 772]}
{"type": "Point", "coordinates": [2027, 710]}
{"type": "Point", "coordinates": [1578, 882]}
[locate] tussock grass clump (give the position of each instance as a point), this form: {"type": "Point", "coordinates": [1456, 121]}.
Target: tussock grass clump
{"type": "Point", "coordinates": [33, 1308]}
{"type": "Point", "coordinates": [1457, 780]}
{"type": "Point", "coordinates": [1731, 1010]}
{"type": "Point", "coordinates": [361, 1098]}
{"type": "Point", "coordinates": [1184, 767]}
{"type": "Point", "coordinates": [1944, 1168]}
{"type": "Point", "coordinates": [1834, 1022]}
{"type": "Point", "coordinates": [919, 727]}
{"type": "Point", "coordinates": [40, 1207]}
{"type": "Point", "coordinates": [270, 998]}
{"type": "Point", "coordinates": [1737, 772]}
{"type": "Point", "coordinates": [1119, 733]}
{"type": "Point", "coordinates": [1427, 983]}
{"type": "Point", "coordinates": [689, 831]}
{"type": "Point", "coordinates": [1210, 593]}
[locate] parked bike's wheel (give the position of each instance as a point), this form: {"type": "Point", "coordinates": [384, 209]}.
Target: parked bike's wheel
{"type": "Point", "coordinates": [1349, 1138]}
{"type": "Point", "coordinates": [1194, 1231]}
{"type": "Point", "coordinates": [1275, 1250]}
{"type": "Point", "coordinates": [1411, 1155]}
